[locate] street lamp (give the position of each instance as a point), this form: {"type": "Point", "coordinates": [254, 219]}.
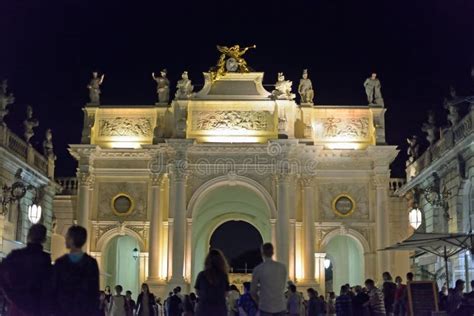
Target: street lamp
{"type": "Point", "coordinates": [327, 263]}
{"type": "Point", "coordinates": [436, 197]}
{"type": "Point", "coordinates": [34, 213]}
{"type": "Point", "coordinates": [15, 192]}
{"type": "Point", "coordinates": [415, 218]}
{"type": "Point", "coordinates": [135, 253]}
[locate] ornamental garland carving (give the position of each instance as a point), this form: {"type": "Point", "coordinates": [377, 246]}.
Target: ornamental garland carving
{"type": "Point", "coordinates": [359, 192]}
{"type": "Point", "coordinates": [124, 126]}
{"type": "Point", "coordinates": [136, 190]}
{"type": "Point", "coordinates": [232, 120]}
{"type": "Point", "coordinates": [346, 127]}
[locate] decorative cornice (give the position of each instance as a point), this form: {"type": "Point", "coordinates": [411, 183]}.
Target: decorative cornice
{"type": "Point", "coordinates": [306, 181]}
{"type": "Point", "coordinates": [283, 177]}
{"type": "Point", "coordinates": [83, 151]}
{"type": "Point", "coordinates": [156, 179]}
{"type": "Point", "coordinates": [381, 180]}
{"type": "Point", "coordinates": [85, 179]}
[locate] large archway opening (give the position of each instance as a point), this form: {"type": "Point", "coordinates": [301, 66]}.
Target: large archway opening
{"type": "Point", "coordinates": [219, 201]}
{"type": "Point", "coordinates": [240, 242]}
{"type": "Point", "coordinates": [121, 263]}
{"type": "Point", "coordinates": [346, 257]}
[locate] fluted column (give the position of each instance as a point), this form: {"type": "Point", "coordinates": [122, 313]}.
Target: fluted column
{"type": "Point", "coordinates": [291, 251]}
{"type": "Point", "coordinates": [273, 222]}
{"type": "Point", "coordinates": [154, 256]}
{"type": "Point", "coordinates": [319, 258]}
{"type": "Point", "coordinates": [86, 181]}
{"type": "Point", "coordinates": [177, 186]}
{"type": "Point", "coordinates": [189, 236]}
{"type": "Point", "coordinates": [283, 225]}
{"type": "Point", "coordinates": [308, 228]}
{"type": "Point", "coordinates": [382, 228]}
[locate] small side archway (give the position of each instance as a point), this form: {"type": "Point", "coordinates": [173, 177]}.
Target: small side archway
{"type": "Point", "coordinates": [346, 250]}
{"type": "Point", "coordinates": [117, 262]}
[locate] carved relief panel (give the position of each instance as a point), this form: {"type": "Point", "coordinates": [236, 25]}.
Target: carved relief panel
{"type": "Point", "coordinates": [343, 127]}
{"type": "Point", "coordinates": [122, 201]}
{"type": "Point", "coordinates": [123, 127]}
{"type": "Point", "coordinates": [232, 121]}
{"type": "Point", "coordinates": [343, 200]}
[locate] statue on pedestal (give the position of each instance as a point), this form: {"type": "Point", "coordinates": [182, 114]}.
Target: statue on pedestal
{"type": "Point", "coordinates": [94, 88]}
{"type": "Point", "coordinates": [283, 89]}
{"type": "Point", "coordinates": [372, 89]}
{"type": "Point", "coordinates": [184, 88]}
{"type": "Point", "coordinates": [430, 128]}
{"type": "Point", "coordinates": [5, 100]}
{"type": "Point", "coordinates": [305, 89]}
{"type": "Point", "coordinates": [48, 147]}
{"type": "Point", "coordinates": [413, 149]}
{"type": "Point", "coordinates": [162, 86]}
{"type": "Point", "coordinates": [29, 124]}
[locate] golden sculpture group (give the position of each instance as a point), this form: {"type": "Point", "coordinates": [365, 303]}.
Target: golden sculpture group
{"type": "Point", "coordinates": [233, 52]}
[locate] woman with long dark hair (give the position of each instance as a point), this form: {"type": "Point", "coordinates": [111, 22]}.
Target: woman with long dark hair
{"type": "Point", "coordinates": [145, 302]}
{"type": "Point", "coordinates": [212, 285]}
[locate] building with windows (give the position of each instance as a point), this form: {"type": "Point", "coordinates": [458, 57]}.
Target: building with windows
{"type": "Point", "coordinates": [440, 184]}
{"type": "Point", "coordinates": [26, 178]}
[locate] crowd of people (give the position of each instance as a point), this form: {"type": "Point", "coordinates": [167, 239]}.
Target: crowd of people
{"type": "Point", "coordinates": [33, 286]}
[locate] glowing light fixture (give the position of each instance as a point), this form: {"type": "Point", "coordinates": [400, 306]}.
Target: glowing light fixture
{"type": "Point", "coordinates": [34, 213]}
{"type": "Point", "coordinates": [135, 253]}
{"type": "Point", "coordinates": [415, 218]}
{"type": "Point", "coordinates": [327, 263]}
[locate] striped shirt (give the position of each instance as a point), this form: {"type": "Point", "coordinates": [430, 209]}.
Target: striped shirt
{"type": "Point", "coordinates": [376, 304]}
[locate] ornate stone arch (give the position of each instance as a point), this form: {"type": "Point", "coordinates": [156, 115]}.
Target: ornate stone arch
{"type": "Point", "coordinates": [118, 231]}
{"type": "Point", "coordinates": [354, 234]}
{"type": "Point", "coordinates": [231, 180]}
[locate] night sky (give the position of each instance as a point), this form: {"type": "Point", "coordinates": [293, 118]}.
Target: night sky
{"type": "Point", "coordinates": [49, 48]}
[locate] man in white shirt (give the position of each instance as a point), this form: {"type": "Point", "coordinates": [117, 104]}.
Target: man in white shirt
{"type": "Point", "coordinates": [268, 284]}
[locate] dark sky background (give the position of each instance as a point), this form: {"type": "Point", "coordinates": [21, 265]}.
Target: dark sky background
{"type": "Point", "coordinates": [241, 250]}
{"type": "Point", "coordinates": [49, 48]}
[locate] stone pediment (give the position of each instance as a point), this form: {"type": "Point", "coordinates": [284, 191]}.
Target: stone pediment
{"type": "Point", "coordinates": [234, 86]}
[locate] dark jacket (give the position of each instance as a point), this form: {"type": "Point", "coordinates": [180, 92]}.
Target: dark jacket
{"type": "Point", "coordinates": [25, 279]}
{"type": "Point", "coordinates": [76, 286]}
{"type": "Point", "coordinates": [388, 290]}
{"type": "Point", "coordinates": [344, 305]}
{"type": "Point", "coordinates": [358, 308]}
{"type": "Point", "coordinates": [151, 304]}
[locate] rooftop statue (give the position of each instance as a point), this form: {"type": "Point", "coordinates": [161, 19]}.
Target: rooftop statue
{"type": "Point", "coordinates": [453, 111]}
{"type": "Point", "coordinates": [162, 86]}
{"type": "Point", "coordinates": [48, 148]}
{"type": "Point", "coordinates": [5, 100]}
{"type": "Point", "coordinates": [29, 124]}
{"type": "Point", "coordinates": [305, 89]}
{"type": "Point", "coordinates": [94, 88]}
{"type": "Point", "coordinates": [430, 128]}
{"type": "Point", "coordinates": [184, 88]}
{"type": "Point", "coordinates": [231, 60]}
{"type": "Point", "coordinates": [283, 89]}
{"type": "Point", "coordinates": [413, 149]}
{"type": "Point", "coordinates": [372, 89]}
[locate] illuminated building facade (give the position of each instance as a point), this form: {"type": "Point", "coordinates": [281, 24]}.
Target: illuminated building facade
{"type": "Point", "coordinates": [314, 180]}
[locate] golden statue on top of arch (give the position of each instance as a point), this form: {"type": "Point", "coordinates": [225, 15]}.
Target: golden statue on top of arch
{"type": "Point", "coordinates": [231, 60]}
